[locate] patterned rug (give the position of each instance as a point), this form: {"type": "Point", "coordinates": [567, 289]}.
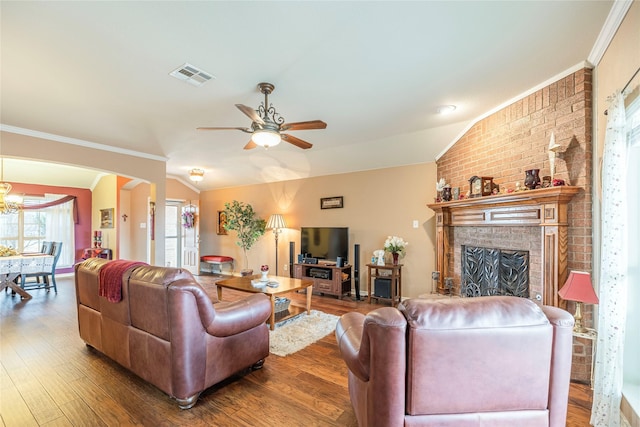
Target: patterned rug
{"type": "Point", "coordinates": [296, 333]}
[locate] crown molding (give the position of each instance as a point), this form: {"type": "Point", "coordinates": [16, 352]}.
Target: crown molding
{"type": "Point", "coordinates": [611, 24]}
{"type": "Point", "coordinates": [79, 142]}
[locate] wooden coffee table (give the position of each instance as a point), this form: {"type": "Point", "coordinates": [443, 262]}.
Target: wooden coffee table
{"type": "Point", "coordinates": [286, 284]}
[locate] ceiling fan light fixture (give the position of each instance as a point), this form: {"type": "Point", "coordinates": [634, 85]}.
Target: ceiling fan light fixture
{"type": "Point", "coordinates": [196, 175]}
{"type": "Point", "coordinates": [266, 138]}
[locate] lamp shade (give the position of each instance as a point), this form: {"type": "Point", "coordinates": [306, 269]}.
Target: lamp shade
{"type": "Point", "coordinates": [266, 138]}
{"type": "Point", "coordinates": [276, 221]}
{"type": "Point", "coordinates": [578, 288]}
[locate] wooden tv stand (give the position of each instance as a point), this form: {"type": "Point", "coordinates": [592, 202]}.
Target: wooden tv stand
{"type": "Point", "coordinates": [327, 279]}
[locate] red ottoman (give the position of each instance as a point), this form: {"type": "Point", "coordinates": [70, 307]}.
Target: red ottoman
{"type": "Point", "coordinates": [214, 263]}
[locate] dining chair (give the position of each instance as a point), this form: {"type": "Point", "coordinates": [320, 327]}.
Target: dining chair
{"type": "Point", "coordinates": [45, 249]}
{"type": "Point", "coordinates": [55, 250]}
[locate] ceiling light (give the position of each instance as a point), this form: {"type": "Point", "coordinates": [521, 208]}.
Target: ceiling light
{"type": "Point", "coordinates": [446, 109]}
{"type": "Point", "coordinates": [266, 138]}
{"type": "Point", "coordinates": [8, 203]}
{"type": "Point", "coordinates": [196, 175]}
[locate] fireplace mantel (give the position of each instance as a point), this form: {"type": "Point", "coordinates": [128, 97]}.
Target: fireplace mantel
{"type": "Point", "coordinates": [545, 208]}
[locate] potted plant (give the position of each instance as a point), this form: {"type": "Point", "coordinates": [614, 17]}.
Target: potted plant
{"type": "Point", "coordinates": [242, 219]}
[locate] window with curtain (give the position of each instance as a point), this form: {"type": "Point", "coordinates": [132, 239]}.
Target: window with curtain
{"type": "Point", "coordinates": [631, 367]}
{"type": "Point", "coordinates": [26, 229]}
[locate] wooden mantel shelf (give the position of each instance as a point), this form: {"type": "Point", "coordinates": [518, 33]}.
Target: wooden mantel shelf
{"type": "Point", "coordinates": [545, 207]}
{"type": "Point", "coordinates": [529, 197]}
{"type": "Point", "coordinates": [531, 207]}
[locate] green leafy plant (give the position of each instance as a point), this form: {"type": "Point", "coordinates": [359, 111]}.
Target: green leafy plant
{"type": "Point", "coordinates": [242, 219]}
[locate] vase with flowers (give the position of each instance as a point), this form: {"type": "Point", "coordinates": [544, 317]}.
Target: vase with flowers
{"type": "Point", "coordinates": [264, 270]}
{"type": "Point", "coordinates": [396, 246]}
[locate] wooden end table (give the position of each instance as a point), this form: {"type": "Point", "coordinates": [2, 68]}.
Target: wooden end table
{"type": "Point", "coordinates": [394, 274]}
{"type": "Point", "coordinates": [286, 284]}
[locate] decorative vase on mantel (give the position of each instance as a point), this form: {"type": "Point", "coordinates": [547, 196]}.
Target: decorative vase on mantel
{"type": "Point", "coordinates": [395, 255]}
{"type": "Point", "coordinates": [532, 179]}
{"type": "Point", "coordinates": [446, 194]}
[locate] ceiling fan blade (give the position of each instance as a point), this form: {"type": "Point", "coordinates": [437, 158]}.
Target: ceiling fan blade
{"type": "Point", "coordinates": [312, 124]}
{"type": "Point", "coordinates": [225, 128]}
{"type": "Point", "coordinates": [251, 113]}
{"type": "Point", "coordinates": [296, 141]}
{"type": "Point", "coordinates": [250, 145]}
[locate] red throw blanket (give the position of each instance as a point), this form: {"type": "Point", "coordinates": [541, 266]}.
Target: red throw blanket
{"type": "Point", "coordinates": [111, 278]}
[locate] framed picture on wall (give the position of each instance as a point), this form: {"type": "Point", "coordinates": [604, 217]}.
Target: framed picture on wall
{"type": "Point", "coordinates": [331, 202]}
{"type": "Point", "coordinates": [222, 220]}
{"type": "Point", "coordinates": [106, 218]}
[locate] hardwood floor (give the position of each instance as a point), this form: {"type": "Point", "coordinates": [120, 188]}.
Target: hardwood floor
{"type": "Point", "coordinates": [48, 377]}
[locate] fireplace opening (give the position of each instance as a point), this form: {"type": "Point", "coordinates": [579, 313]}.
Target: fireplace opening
{"type": "Point", "coordinates": [490, 271]}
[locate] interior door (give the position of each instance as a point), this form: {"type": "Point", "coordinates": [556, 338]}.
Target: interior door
{"type": "Point", "coordinates": [190, 214]}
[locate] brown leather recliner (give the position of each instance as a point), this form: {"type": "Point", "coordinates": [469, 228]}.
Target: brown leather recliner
{"type": "Point", "coordinates": [486, 361]}
{"type": "Point", "coordinates": [167, 330]}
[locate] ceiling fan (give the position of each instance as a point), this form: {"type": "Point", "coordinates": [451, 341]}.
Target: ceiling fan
{"type": "Point", "coordinates": [267, 125]}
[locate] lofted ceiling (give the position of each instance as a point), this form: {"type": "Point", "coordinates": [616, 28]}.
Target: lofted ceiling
{"type": "Point", "coordinates": [375, 72]}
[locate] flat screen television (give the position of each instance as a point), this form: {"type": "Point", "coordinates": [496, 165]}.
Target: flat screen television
{"type": "Point", "coordinates": [325, 243]}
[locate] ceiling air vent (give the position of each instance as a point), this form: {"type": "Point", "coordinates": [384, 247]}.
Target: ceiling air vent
{"type": "Point", "coordinates": [190, 74]}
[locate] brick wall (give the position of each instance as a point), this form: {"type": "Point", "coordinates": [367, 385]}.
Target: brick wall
{"type": "Point", "coordinates": [515, 139]}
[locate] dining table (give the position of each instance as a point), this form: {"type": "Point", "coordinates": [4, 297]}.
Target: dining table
{"type": "Point", "coordinates": [15, 265]}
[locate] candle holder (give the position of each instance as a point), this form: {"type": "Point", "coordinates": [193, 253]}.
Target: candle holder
{"type": "Point", "coordinates": [97, 239]}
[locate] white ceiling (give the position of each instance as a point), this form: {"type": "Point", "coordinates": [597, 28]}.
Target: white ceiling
{"type": "Point", "coordinates": [375, 72]}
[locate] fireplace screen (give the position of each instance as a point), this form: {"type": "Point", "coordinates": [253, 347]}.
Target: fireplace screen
{"type": "Point", "coordinates": [487, 271]}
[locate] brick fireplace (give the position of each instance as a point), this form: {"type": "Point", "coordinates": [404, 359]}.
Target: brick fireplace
{"type": "Point", "coordinates": [533, 221]}
{"type": "Point", "coordinates": [504, 145]}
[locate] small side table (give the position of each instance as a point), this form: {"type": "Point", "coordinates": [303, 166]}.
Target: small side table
{"type": "Point", "coordinates": [97, 253]}
{"type": "Point", "coordinates": [396, 282]}
{"type": "Point", "coordinates": [590, 334]}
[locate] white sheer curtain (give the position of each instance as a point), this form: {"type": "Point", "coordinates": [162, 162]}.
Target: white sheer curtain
{"type": "Point", "coordinates": [612, 287]}
{"type": "Point", "coordinates": [60, 228]}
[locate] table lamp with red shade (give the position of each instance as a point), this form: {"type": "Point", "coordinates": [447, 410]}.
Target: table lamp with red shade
{"type": "Point", "coordinates": [578, 288]}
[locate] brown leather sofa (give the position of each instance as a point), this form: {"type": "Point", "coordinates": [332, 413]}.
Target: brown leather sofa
{"type": "Point", "coordinates": [167, 330]}
{"type": "Point", "coordinates": [486, 361]}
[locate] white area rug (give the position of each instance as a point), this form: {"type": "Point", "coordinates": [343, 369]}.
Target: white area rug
{"type": "Point", "coordinates": [297, 333]}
